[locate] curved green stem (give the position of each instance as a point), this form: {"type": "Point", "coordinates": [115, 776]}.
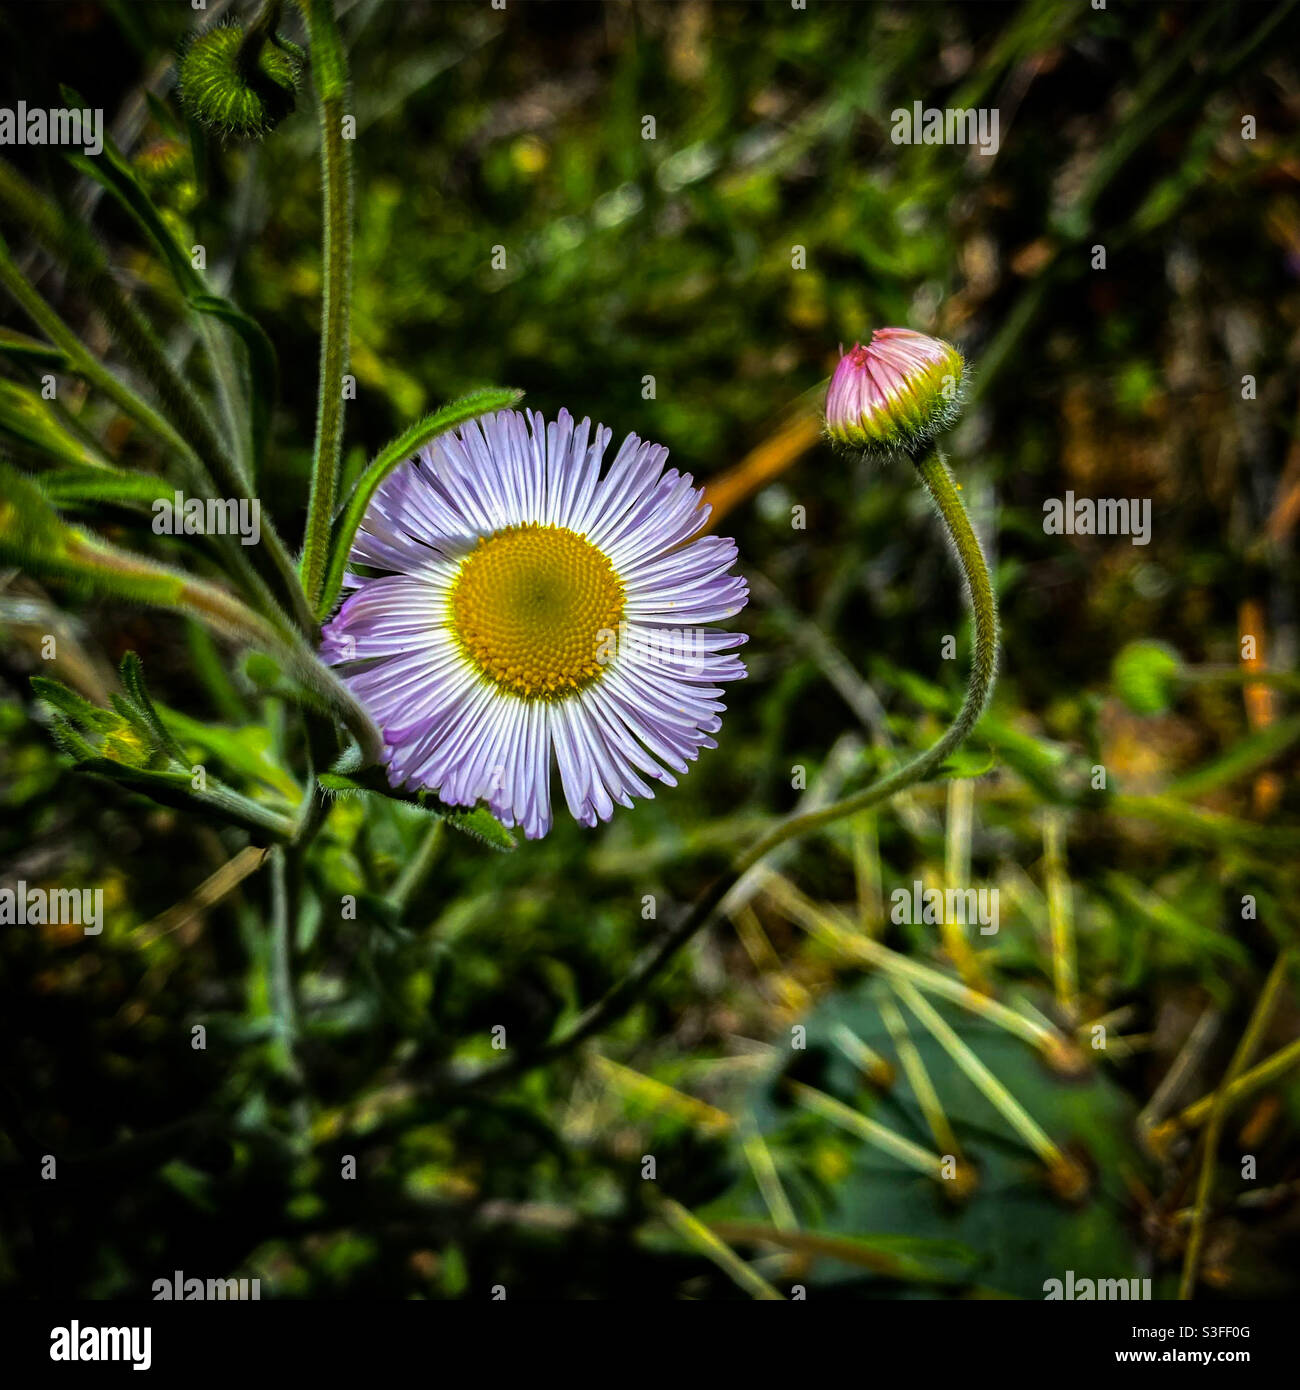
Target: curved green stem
{"type": "Point", "coordinates": [946, 495]}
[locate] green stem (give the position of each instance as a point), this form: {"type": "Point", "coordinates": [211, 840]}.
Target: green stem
{"type": "Point", "coordinates": [946, 495]}
{"type": "Point", "coordinates": [331, 76]}
{"type": "Point", "coordinates": [417, 868]}
{"type": "Point", "coordinates": [283, 1004]}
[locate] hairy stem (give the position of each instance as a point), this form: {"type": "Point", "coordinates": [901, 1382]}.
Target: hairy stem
{"type": "Point", "coordinates": [331, 76]}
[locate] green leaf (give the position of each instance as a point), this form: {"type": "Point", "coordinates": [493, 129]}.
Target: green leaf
{"type": "Point", "coordinates": [113, 174]}
{"type": "Point", "coordinates": [968, 762]}
{"type": "Point", "coordinates": [34, 537]}
{"type": "Point", "coordinates": [1143, 675]}
{"type": "Point", "coordinates": [79, 487]}
{"type": "Point", "coordinates": [31, 350]}
{"type": "Point", "coordinates": [132, 673]}
{"type": "Point", "coordinates": [131, 745]}
{"type": "Point", "coordinates": [66, 700]}
{"type": "Point", "coordinates": [112, 171]}
{"type": "Point", "coordinates": [353, 511]}
{"type": "Point", "coordinates": [246, 751]}
{"type": "Point", "coordinates": [1243, 759]}
{"type": "Point", "coordinates": [263, 365]}
{"type": "Point", "coordinates": [163, 115]}
{"type": "Point", "coordinates": [69, 741]}
{"type": "Point", "coordinates": [479, 822]}
{"type": "Point", "coordinates": [25, 416]}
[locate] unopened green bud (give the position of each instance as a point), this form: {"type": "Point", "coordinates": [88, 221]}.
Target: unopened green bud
{"type": "Point", "coordinates": [237, 90]}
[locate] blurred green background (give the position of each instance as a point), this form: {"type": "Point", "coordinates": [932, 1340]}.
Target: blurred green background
{"type": "Point", "coordinates": [673, 258]}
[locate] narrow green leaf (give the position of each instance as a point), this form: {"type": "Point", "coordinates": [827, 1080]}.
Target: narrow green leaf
{"type": "Point", "coordinates": [76, 488]}
{"type": "Point", "coordinates": [32, 350]}
{"type": "Point", "coordinates": [68, 740]}
{"type": "Point", "coordinates": [967, 762]}
{"type": "Point", "coordinates": [263, 366]}
{"type": "Point", "coordinates": [1244, 758]}
{"type": "Point", "coordinates": [163, 115]}
{"type": "Point", "coordinates": [478, 822]}
{"type": "Point", "coordinates": [34, 537]}
{"type": "Point", "coordinates": [66, 700]}
{"type": "Point", "coordinates": [113, 172]}
{"type": "Point", "coordinates": [25, 416]}
{"type": "Point", "coordinates": [410, 441]}
{"type": "Point", "coordinates": [132, 673]}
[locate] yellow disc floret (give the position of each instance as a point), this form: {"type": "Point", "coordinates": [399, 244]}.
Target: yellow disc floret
{"type": "Point", "coordinates": [536, 609]}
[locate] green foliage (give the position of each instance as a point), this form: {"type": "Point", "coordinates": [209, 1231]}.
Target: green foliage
{"type": "Point", "coordinates": [1143, 674]}
{"type": "Point", "coordinates": [1130, 794]}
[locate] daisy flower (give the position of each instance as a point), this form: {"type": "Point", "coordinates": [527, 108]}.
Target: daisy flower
{"type": "Point", "coordinates": [511, 605]}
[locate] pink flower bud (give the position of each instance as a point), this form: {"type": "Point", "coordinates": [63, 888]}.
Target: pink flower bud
{"type": "Point", "coordinates": [896, 393]}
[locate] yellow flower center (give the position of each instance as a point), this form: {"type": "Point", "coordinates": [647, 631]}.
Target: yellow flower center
{"type": "Point", "coordinates": [535, 608]}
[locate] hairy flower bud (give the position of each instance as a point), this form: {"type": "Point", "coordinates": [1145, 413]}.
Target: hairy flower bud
{"type": "Point", "coordinates": [239, 90]}
{"type": "Point", "coordinates": [896, 393]}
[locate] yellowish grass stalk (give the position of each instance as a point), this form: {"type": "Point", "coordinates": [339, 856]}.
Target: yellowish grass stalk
{"type": "Point", "coordinates": [1219, 1105]}
{"type": "Point", "coordinates": [983, 1079]}
{"type": "Point", "coordinates": [1060, 915]}
{"type": "Point", "coordinates": [759, 1158]}
{"type": "Point", "coordinates": [877, 1135]}
{"type": "Point", "coordinates": [866, 872]}
{"type": "Point", "coordinates": [872, 1065]}
{"type": "Point", "coordinates": [661, 1097]}
{"type": "Point", "coordinates": [919, 1080]}
{"type": "Point", "coordinates": [714, 1248]}
{"type": "Point", "coordinates": [829, 926]}
{"type": "Point", "coordinates": [961, 802]}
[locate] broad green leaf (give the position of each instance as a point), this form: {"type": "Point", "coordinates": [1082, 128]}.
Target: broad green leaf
{"type": "Point", "coordinates": [353, 511]}
{"type": "Point", "coordinates": [843, 1189]}
{"type": "Point", "coordinates": [246, 751]}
